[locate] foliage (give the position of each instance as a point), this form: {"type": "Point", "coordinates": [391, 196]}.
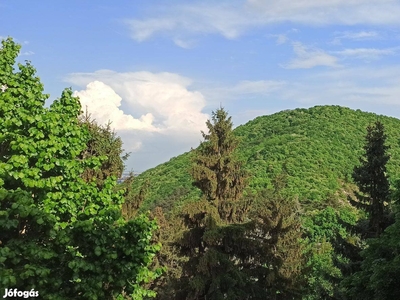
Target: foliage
{"type": "Point", "coordinates": [60, 235]}
{"type": "Point", "coordinates": [378, 261]}
{"type": "Point", "coordinates": [172, 176]}
{"type": "Point", "coordinates": [372, 180]}
{"type": "Point", "coordinates": [277, 265]}
{"type": "Point", "coordinates": [326, 232]}
{"type": "Point", "coordinates": [379, 276]}
{"type": "Point", "coordinates": [104, 143]}
{"type": "Point", "coordinates": [209, 271]}
{"type": "Point", "coordinates": [226, 246]}
{"type": "Point", "coordinates": [216, 171]}
{"type": "Point", "coordinates": [132, 200]}
{"type": "Point", "coordinates": [319, 147]}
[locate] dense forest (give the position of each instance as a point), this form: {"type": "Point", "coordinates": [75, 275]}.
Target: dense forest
{"type": "Point", "coordinates": [316, 151]}
{"type": "Point", "coordinates": [301, 204]}
{"type": "Point", "coordinates": [318, 148]}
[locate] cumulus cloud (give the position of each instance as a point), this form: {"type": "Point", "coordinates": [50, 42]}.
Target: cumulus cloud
{"type": "Point", "coordinates": [104, 104]}
{"type": "Point", "coordinates": [152, 112]}
{"type": "Point", "coordinates": [232, 19]}
{"type": "Point", "coordinates": [309, 57]}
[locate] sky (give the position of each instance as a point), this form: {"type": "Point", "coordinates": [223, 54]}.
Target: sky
{"type": "Point", "coordinates": [157, 69]}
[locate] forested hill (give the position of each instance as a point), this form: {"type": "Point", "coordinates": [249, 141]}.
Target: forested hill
{"type": "Point", "coordinates": [318, 147]}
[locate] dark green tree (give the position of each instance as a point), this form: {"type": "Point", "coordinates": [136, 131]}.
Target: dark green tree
{"type": "Point", "coordinates": [234, 246]}
{"type": "Point", "coordinates": [216, 170]}
{"type": "Point", "coordinates": [105, 143]}
{"type": "Point", "coordinates": [379, 275]}
{"type": "Point", "coordinates": [372, 179]}
{"type": "Point", "coordinates": [274, 255]}
{"type": "Point", "coordinates": [210, 271]}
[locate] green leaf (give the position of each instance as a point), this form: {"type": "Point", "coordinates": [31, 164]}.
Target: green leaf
{"type": "Point", "coordinates": [97, 251]}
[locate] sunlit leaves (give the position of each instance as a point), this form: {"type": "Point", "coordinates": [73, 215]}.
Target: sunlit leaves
{"type": "Point", "coordinates": [53, 224]}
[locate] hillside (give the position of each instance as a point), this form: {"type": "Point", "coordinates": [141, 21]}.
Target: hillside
{"type": "Point", "coordinates": [318, 147]}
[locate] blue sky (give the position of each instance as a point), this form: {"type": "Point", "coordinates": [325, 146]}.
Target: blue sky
{"type": "Point", "coordinates": [157, 69]}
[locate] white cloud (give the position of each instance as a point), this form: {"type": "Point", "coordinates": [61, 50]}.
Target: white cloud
{"type": "Point", "coordinates": [283, 37]}
{"type": "Point", "coordinates": [308, 57]}
{"type": "Point", "coordinates": [366, 53]}
{"type": "Point", "coordinates": [355, 36]}
{"type": "Point", "coordinates": [142, 30]}
{"type": "Point", "coordinates": [196, 18]}
{"type": "Point", "coordinates": [232, 19]}
{"type": "Point", "coordinates": [103, 103]}
{"type": "Point", "coordinates": [144, 104]}
{"type": "Point", "coordinates": [316, 12]}
{"type": "Point", "coordinates": [280, 38]}
{"type": "Point", "coordinates": [186, 44]}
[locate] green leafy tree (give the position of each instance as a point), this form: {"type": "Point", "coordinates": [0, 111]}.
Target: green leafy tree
{"type": "Point", "coordinates": [328, 240]}
{"type": "Point", "coordinates": [372, 179]}
{"type": "Point", "coordinates": [60, 235]}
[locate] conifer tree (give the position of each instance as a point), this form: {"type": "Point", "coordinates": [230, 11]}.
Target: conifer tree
{"type": "Point", "coordinates": [201, 233]}
{"type": "Point", "coordinates": [369, 279]}
{"type": "Point", "coordinates": [275, 257]}
{"type": "Point", "coordinates": [103, 142]}
{"type": "Point", "coordinates": [228, 255]}
{"type": "Point", "coordinates": [216, 171]}
{"type": "Point", "coordinates": [372, 180]}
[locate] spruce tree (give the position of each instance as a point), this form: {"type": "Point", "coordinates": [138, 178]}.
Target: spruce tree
{"type": "Point", "coordinates": [372, 180]}
{"type": "Point", "coordinates": [234, 247]}
{"type": "Point", "coordinates": [275, 257]}
{"type": "Point", "coordinates": [216, 171]}
{"type": "Point", "coordinates": [369, 279]}
{"type": "Point", "coordinates": [210, 271]}
{"type": "Point", "coordinates": [103, 143]}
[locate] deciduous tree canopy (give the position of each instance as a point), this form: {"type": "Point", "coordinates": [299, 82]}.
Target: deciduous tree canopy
{"type": "Point", "coordinates": [60, 235]}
